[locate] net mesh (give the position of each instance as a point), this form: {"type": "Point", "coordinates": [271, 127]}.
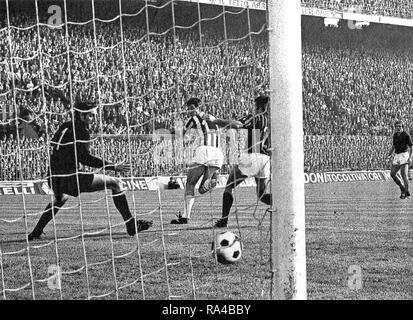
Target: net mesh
{"type": "Point", "coordinates": [140, 60]}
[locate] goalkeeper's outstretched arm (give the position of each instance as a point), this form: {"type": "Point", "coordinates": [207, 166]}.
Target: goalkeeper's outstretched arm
{"type": "Point", "coordinates": [89, 160]}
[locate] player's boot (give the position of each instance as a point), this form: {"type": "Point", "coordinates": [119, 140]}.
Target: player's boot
{"type": "Point", "coordinates": [221, 223]}
{"type": "Point", "coordinates": [180, 220]}
{"type": "Point", "coordinates": [407, 195]}
{"type": "Point", "coordinates": [41, 224]}
{"type": "Point", "coordinates": [403, 196]}
{"type": "Point", "coordinates": [141, 224]}
{"type": "Point", "coordinates": [35, 235]}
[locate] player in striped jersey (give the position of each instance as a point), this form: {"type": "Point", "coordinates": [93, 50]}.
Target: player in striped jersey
{"type": "Point", "coordinates": [253, 162]}
{"type": "Point", "coordinates": [208, 158]}
{"type": "Point", "coordinates": [71, 147]}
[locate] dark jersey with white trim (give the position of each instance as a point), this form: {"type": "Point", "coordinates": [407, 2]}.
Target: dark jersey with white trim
{"type": "Point", "coordinates": [258, 133]}
{"type": "Point", "coordinates": [64, 159]}
{"type": "Point", "coordinates": [208, 130]}
{"type": "Point", "coordinates": [401, 141]}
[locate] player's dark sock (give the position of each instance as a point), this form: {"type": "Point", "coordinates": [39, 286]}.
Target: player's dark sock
{"type": "Point", "coordinates": [121, 203]}
{"type": "Point", "coordinates": [43, 221]}
{"type": "Point", "coordinates": [267, 199]}
{"type": "Point", "coordinates": [402, 191]}
{"type": "Point", "coordinates": [227, 201]}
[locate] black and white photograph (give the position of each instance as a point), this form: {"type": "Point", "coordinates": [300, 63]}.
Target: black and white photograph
{"type": "Point", "coordinates": [230, 152]}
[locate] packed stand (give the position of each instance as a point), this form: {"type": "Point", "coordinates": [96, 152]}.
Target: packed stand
{"type": "Point", "coordinates": [151, 157]}
{"type": "Point", "coordinates": [355, 83]}
{"type": "Point", "coordinates": [390, 8]}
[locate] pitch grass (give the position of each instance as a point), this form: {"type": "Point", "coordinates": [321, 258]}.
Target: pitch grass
{"type": "Point", "coordinates": [347, 224]}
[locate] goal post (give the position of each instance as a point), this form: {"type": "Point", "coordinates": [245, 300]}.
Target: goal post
{"type": "Point", "coordinates": [288, 258]}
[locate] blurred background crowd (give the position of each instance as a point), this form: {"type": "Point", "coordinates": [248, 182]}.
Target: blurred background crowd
{"type": "Point", "coordinates": [392, 8]}
{"type": "Point", "coordinates": [141, 72]}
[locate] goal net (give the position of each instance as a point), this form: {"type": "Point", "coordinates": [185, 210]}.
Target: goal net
{"type": "Point", "coordinates": [140, 61]}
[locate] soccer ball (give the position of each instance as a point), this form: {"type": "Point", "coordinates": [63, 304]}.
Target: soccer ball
{"type": "Point", "coordinates": [227, 247]}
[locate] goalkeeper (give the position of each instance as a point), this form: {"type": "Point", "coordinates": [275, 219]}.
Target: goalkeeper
{"type": "Point", "coordinates": [71, 146]}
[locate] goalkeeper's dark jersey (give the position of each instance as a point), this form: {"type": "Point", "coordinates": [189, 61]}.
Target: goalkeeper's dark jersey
{"type": "Point", "coordinates": [258, 133]}
{"type": "Point", "coordinates": [64, 159]}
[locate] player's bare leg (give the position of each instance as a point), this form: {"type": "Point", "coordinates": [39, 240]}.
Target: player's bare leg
{"type": "Point", "coordinates": [50, 211]}
{"type": "Point", "coordinates": [194, 174]}
{"type": "Point", "coordinates": [393, 174]}
{"type": "Point", "coordinates": [234, 179]}
{"type": "Point", "coordinates": [101, 182]}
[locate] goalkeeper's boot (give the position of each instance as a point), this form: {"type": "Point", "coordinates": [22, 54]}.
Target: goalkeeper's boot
{"type": "Point", "coordinates": [41, 224]}
{"type": "Point", "coordinates": [35, 235]}
{"type": "Point", "coordinates": [221, 223]}
{"type": "Point", "coordinates": [180, 220]}
{"type": "Point", "coordinates": [141, 225]}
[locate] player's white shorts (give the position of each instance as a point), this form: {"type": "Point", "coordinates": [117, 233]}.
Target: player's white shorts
{"type": "Point", "coordinates": [255, 165]}
{"type": "Point", "coordinates": [208, 156]}
{"type": "Point", "coordinates": [400, 158]}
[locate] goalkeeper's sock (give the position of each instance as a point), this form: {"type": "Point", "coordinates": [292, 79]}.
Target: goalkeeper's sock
{"type": "Point", "coordinates": [132, 227]}
{"type": "Point", "coordinates": [121, 203]}
{"type": "Point", "coordinates": [43, 221]}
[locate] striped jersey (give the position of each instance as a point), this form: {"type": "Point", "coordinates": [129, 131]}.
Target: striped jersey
{"type": "Point", "coordinates": [207, 129]}
{"type": "Point", "coordinates": [258, 133]}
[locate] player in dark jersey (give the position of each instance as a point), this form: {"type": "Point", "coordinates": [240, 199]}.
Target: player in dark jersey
{"type": "Point", "coordinates": [401, 153]}
{"type": "Point", "coordinates": [208, 158]}
{"type": "Point", "coordinates": [253, 162]}
{"type": "Point", "coordinates": [70, 146]}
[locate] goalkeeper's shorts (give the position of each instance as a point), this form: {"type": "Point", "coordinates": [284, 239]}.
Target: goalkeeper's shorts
{"type": "Point", "coordinates": [69, 184]}
{"type": "Point", "coordinates": [255, 165]}
{"type": "Point", "coordinates": [400, 159]}
{"type": "Point", "coordinates": [208, 156]}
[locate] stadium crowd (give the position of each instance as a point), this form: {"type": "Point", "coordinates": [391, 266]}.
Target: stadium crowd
{"type": "Point", "coordinates": [355, 83]}
{"type": "Point", "coordinates": [150, 157]}
{"type": "Point", "coordinates": [391, 8]}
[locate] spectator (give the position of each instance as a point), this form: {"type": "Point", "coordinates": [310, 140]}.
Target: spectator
{"type": "Point", "coordinates": [173, 184]}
